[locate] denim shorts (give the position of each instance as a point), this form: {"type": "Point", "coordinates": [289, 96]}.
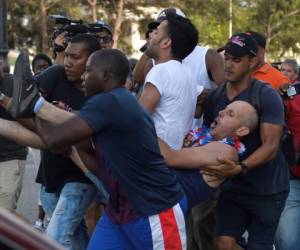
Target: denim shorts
{"type": "Point", "coordinates": [238, 212]}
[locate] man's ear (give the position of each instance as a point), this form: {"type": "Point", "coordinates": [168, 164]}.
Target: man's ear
{"type": "Point", "coordinates": [253, 62]}
{"type": "Point", "coordinates": [106, 74]}
{"type": "Point", "coordinates": [242, 131]}
{"type": "Point", "coordinates": [166, 43]}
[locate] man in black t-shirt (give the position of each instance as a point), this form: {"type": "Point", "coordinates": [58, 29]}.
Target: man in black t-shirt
{"type": "Point", "coordinates": [254, 199]}
{"type": "Point", "coordinates": [12, 155]}
{"type": "Point", "coordinates": [66, 192]}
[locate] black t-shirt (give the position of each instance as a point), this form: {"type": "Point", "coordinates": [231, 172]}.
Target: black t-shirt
{"type": "Point", "coordinates": [56, 170]}
{"type": "Point", "coordinates": [9, 150]}
{"type": "Point", "coordinates": [273, 176]}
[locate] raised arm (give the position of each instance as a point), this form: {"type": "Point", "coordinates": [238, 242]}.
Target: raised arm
{"type": "Point", "coordinates": [215, 66]}
{"type": "Point", "coordinates": [141, 69]}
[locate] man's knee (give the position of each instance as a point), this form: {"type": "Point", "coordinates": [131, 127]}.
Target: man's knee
{"type": "Point", "coordinates": [225, 243]}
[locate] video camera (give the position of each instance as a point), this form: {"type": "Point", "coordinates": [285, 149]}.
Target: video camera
{"type": "Point", "coordinates": [72, 28]}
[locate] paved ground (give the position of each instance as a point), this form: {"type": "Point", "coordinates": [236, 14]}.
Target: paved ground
{"type": "Point", "coordinates": [27, 205]}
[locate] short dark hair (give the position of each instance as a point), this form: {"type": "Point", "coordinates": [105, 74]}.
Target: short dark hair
{"type": "Point", "coordinates": [91, 42]}
{"type": "Point", "coordinates": [115, 61]}
{"type": "Point", "coordinates": [259, 38]}
{"type": "Point", "coordinates": [41, 56]}
{"type": "Point", "coordinates": [183, 34]}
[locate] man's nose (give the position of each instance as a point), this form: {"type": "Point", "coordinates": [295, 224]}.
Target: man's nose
{"type": "Point", "coordinates": [221, 113]}
{"type": "Point", "coordinates": [67, 62]}
{"type": "Point", "coordinates": [151, 34]}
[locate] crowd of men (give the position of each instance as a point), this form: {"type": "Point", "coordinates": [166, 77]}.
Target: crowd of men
{"type": "Point", "coordinates": [193, 160]}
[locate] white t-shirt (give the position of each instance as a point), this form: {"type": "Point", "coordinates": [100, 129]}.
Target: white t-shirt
{"type": "Point", "coordinates": [178, 95]}
{"type": "Point", "coordinates": [196, 60]}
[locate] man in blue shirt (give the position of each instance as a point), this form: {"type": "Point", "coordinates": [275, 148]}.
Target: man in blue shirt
{"type": "Point", "coordinates": [144, 193]}
{"type": "Point", "coordinates": [253, 200]}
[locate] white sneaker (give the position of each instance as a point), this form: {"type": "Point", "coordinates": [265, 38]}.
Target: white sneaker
{"type": "Point", "coordinates": [39, 225]}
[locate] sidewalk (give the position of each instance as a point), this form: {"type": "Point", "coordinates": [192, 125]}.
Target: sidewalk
{"type": "Point", "coordinates": [28, 202]}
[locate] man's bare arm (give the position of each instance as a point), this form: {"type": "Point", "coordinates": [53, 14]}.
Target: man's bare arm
{"type": "Point", "coordinates": [141, 69]}
{"type": "Point", "coordinates": [65, 134]}
{"type": "Point", "coordinates": [215, 65]}
{"type": "Point", "coordinates": [14, 131]}
{"type": "Point", "coordinates": [84, 159]}
{"type": "Point", "coordinates": [270, 138]}
{"type": "Point", "coordinates": [197, 157]}
{"type": "Point", "coordinates": [150, 97]}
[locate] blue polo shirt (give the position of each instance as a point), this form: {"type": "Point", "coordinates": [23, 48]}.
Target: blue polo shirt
{"type": "Point", "coordinates": [128, 157]}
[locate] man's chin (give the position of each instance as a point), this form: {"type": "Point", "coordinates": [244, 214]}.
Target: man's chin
{"type": "Point", "coordinates": [73, 78]}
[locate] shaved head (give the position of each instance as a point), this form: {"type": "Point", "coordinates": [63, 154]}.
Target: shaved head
{"type": "Point", "coordinates": [248, 115]}
{"type": "Point", "coordinates": [114, 61]}
{"type": "Point", "coordinates": [239, 118]}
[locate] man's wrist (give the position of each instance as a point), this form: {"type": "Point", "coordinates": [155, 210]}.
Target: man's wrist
{"type": "Point", "coordinates": [244, 168]}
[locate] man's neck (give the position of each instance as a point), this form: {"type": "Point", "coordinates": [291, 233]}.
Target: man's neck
{"type": "Point", "coordinates": [235, 88]}
{"type": "Point", "coordinates": [259, 65]}
{"type": "Point", "coordinates": [164, 58]}
{"type": "Point", "coordinates": [77, 84]}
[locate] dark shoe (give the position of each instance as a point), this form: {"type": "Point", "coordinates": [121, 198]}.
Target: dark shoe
{"type": "Point", "coordinates": [25, 91]}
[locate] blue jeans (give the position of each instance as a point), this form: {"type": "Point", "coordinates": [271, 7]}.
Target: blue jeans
{"type": "Point", "coordinates": [288, 231]}
{"type": "Point", "coordinates": [66, 209]}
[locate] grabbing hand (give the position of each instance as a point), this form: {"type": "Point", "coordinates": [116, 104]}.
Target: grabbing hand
{"type": "Point", "coordinates": [226, 168]}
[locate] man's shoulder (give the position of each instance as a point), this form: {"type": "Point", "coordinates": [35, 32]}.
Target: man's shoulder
{"type": "Point", "coordinates": [270, 75]}
{"type": "Point", "coordinates": [279, 76]}
{"type": "Point", "coordinates": [109, 99]}
{"type": "Point", "coordinates": [55, 71]}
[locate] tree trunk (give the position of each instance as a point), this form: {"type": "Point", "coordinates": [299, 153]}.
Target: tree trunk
{"type": "Point", "coordinates": [93, 4]}
{"type": "Point", "coordinates": [118, 22]}
{"type": "Point", "coordinates": [44, 33]}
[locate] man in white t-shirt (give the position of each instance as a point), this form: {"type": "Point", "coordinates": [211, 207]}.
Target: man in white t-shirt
{"type": "Point", "coordinates": [170, 92]}
{"type": "Point", "coordinates": [208, 69]}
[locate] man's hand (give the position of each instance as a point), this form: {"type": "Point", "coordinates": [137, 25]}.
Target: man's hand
{"type": "Point", "coordinates": [226, 168]}
{"type": "Point", "coordinates": [200, 101]}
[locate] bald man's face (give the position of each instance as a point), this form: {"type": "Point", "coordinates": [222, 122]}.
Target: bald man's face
{"type": "Point", "coordinates": [230, 120]}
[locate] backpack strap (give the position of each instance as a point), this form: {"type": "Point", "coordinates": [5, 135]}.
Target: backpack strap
{"type": "Point", "coordinates": [255, 95]}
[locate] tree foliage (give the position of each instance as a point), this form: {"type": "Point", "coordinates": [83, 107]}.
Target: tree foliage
{"type": "Point", "coordinates": [278, 20]}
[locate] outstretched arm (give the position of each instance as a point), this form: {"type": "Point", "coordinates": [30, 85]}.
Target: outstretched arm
{"type": "Point", "coordinates": [59, 136]}
{"type": "Point", "coordinates": [197, 157]}
{"type": "Point", "coordinates": [19, 134]}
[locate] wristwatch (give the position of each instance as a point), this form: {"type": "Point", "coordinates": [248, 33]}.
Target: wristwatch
{"type": "Point", "coordinates": [244, 168]}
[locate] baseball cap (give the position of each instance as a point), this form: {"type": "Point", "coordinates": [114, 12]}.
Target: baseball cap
{"type": "Point", "coordinates": [162, 16]}
{"type": "Point", "coordinates": [105, 25]}
{"type": "Point", "coordinates": [239, 45]}
{"type": "Point", "coordinates": [259, 38]}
